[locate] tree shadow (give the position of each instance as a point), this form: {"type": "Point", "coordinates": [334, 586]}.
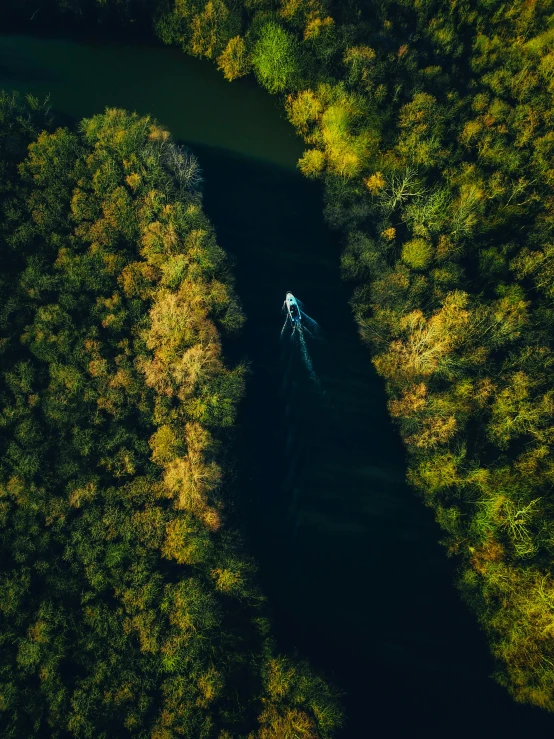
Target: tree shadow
{"type": "Point", "coordinates": [24, 72]}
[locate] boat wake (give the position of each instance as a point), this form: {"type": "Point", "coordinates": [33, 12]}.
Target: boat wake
{"type": "Point", "coordinates": [300, 325]}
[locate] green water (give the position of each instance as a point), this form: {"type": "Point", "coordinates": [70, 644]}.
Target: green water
{"type": "Point", "coordinates": [348, 556]}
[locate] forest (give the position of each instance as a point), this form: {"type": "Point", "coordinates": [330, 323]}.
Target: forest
{"type": "Point", "coordinates": [127, 604]}
{"type": "Point", "coordinates": [430, 127]}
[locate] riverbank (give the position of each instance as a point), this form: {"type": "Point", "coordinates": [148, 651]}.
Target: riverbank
{"type": "Point", "coordinates": [354, 575]}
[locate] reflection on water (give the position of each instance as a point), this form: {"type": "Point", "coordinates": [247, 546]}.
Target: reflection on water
{"type": "Point", "coordinates": [348, 555]}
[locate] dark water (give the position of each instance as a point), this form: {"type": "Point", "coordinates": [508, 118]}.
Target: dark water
{"type": "Point", "coordinates": [348, 556]}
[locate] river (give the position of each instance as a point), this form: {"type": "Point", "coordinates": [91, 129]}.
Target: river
{"type": "Point", "coordinates": [348, 555]}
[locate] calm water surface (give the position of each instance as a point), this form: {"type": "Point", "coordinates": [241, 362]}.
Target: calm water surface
{"type": "Point", "coordinates": [348, 555]}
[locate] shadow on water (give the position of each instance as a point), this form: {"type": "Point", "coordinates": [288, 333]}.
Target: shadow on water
{"type": "Point", "coordinates": [23, 73]}
{"type": "Point", "coordinates": [348, 555]}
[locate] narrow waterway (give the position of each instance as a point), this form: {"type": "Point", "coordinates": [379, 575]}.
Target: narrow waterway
{"type": "Point", "coordinates": [348, 555]}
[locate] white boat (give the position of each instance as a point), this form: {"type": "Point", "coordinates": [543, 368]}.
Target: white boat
{"type": "Point", "coordinates": [293, 309]}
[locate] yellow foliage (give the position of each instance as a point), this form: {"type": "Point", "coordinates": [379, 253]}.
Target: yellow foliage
{"type": "Point", "coordinates": [290, 723]}
{"type": "Point", "coordinates": [355, 53]}
{"type": "Point", "coordinates": [348, 144]}
{"type": "Point", "coordinates": [206, 27]}
{"type": "Point", "coordinates": [412, 401]}
{"type": "Point", "coordinates": [183, 543]}
{"type": "Point", "coordinates": [175, 319]}
{"type": "Point", "coordinates": [133, 180]}
{"type": "Point", "coordinates": [420, 122]}
{"type": "Point", "coordinates": [82, 494]}
{"type": "Point", "coordinates": [158, 239]}
{"type": "Point", "coordinates": [375, 183]}
{"type": "Point", "coordinates": [389, 234]}
{"type": "Point", "coordinates": [145, 625]}
{"type": "Point", "coordinates": [345, 153]}
{"type": "Point", "coordinates": [189, 480]}
{"type": "Point", "coordinates": [138, 279]}
{"type": "Point", "coordinates": [162, 732]}
{"type": "Point", "coordinates": [210, 685]}
{"type": "Point", "coordinates": [520, 622]}
{"type": "Point", "coordinates": [164, 444]}
{"type": "Point", "coordinates": [428, 343]}
{"type": "Point", "coordinates": [306, 9]}
{"type": "Point", "coordinates": [303, 109]}
{"type": "Point", "coordinates": [149, 526]}
{"type": "Point", "coordinates": [433, 432]}
{"type": "Point", "coordinates": [98, 368]}
{"type": "Point", "coordinates": [466, 208]}
{"type": "Point", "coordinates": [471, 131]}
{"type": "Point", "coordinates": [445, 248]}
{"type": "Point", "coordinates": [122, 380]}
{"type": "Point", "coordinates": [198, 438]}
{"type": "Point", "coordinates": [211, 518]}
{"type": "Point", "coordinates": [157, 133]}
{"type": "Point", "coordinates": [481, 557]}
{"type": "Point", "coordinates": [197, 365]}
{"type": "Point", "coordinates": [312, 162]}
{"type": "Point", "coordinates": [38, 632]}
{"type": "Point", "coordinates": [437, 473]}
{"type": "Point", "coordinates": [226, 580]}
{"type": "Point", "coordinates": [122, 694]}
{"type": "Point", "coordinates": [360, 61]}
{"type": "Point", "coordinates": [317, 27]}
{"type": "Point", "coordinates": [536, 463]}
{"type": "Point", "coordinates": [417, 253]}
{"type": "Point", "coordinates": [233, 61]}
{"type": "Point", "coordinates": [517, 410]}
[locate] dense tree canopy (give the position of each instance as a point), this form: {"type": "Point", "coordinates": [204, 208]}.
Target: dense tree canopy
{"type": "Point", "coordinates": [127, 605]}
{"type": "Point", "coordinates": [430, 124]}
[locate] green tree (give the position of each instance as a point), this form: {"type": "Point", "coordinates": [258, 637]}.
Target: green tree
{"type": "Point", "coordinates": [275, 58]}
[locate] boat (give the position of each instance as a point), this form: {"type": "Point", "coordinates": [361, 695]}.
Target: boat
{"type": "Point", "coordinates": [293, 309]}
